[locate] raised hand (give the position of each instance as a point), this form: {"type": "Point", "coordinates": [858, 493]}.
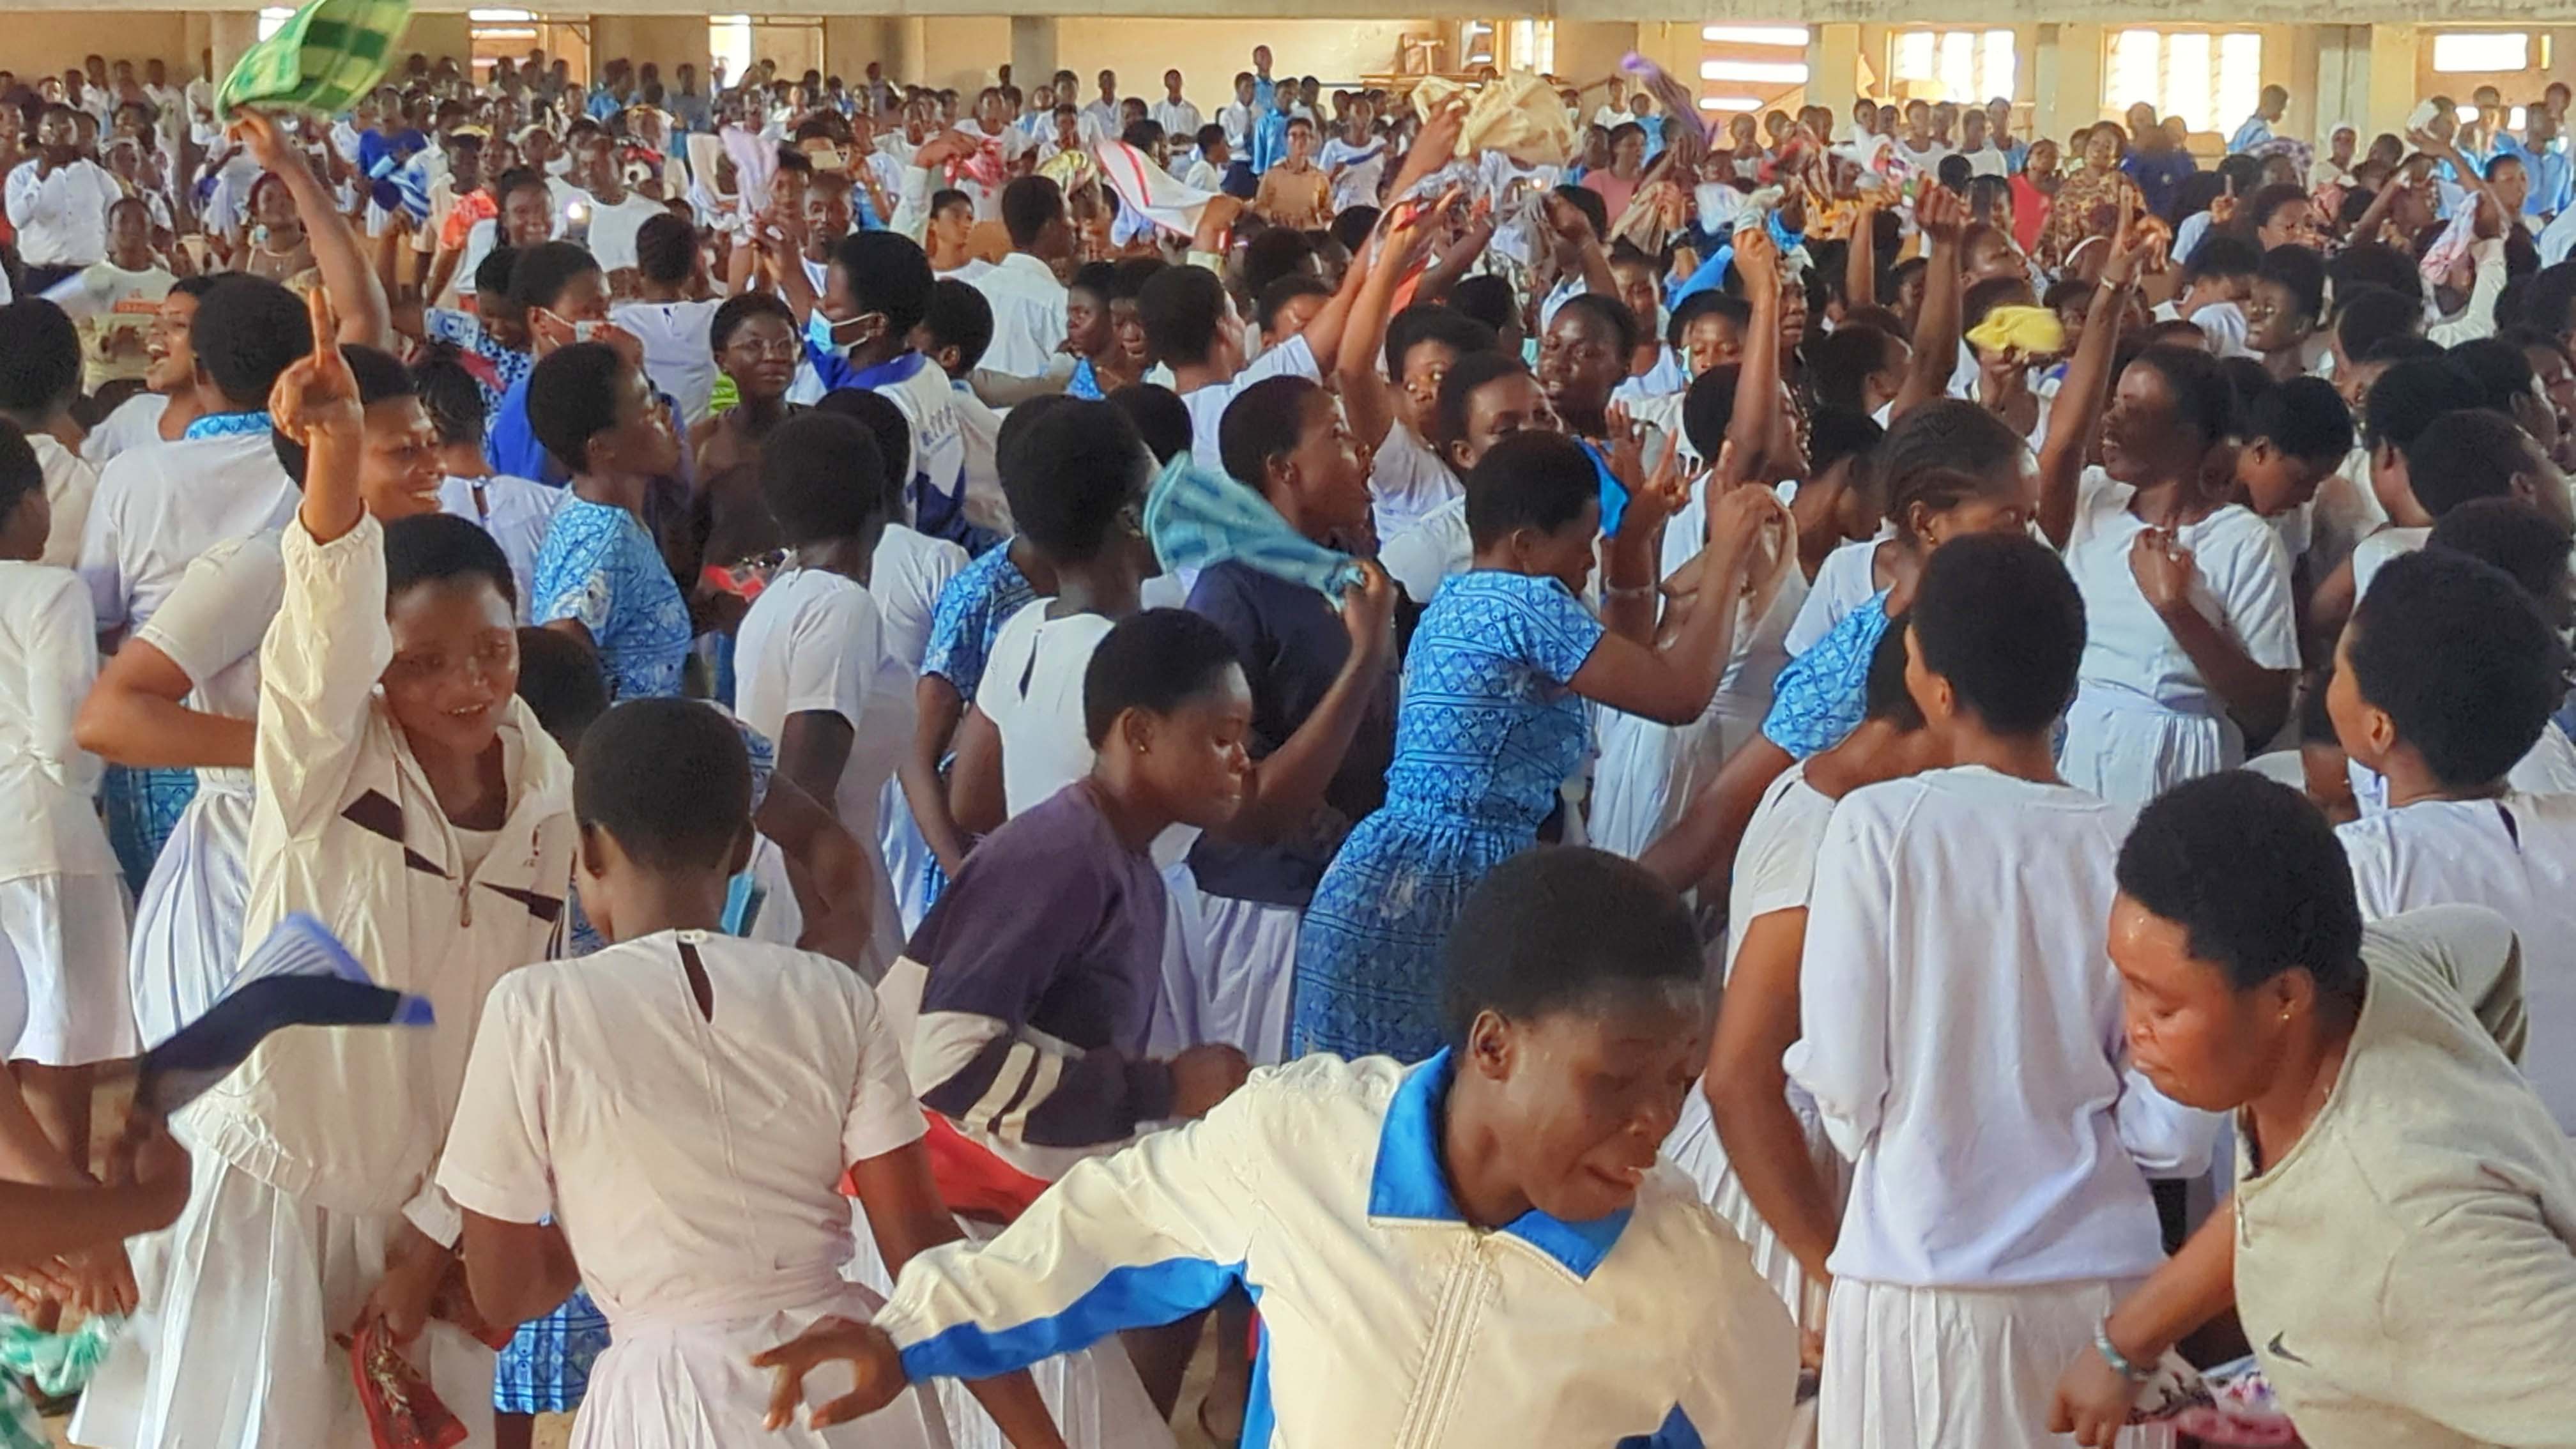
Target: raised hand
{"type": "Point", "coordinates": [1368, 611]}
{"type": "Point", "coordinates": [316, 393]}
{"type": "Point", "coordinates": [1942, 214]}
{"type": "Point", "coordinates": [267, 141]}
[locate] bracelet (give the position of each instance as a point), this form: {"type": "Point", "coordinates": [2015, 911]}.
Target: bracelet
{"type": "Point", "coordinates": [2111, 1355]}
{"type": "Point", "coordinates": [1627, 591]}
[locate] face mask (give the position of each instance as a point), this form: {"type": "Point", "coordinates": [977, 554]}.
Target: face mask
{"type": "Point", "coordinates": [825, 334]}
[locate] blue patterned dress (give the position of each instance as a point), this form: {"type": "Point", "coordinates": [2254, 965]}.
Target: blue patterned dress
{"type": "Point", "coordinates": [971, 609]}
{"type": "Point", "coordinates": [1486, 732]}
{"type": "Point", "coordinates": [599, 566]}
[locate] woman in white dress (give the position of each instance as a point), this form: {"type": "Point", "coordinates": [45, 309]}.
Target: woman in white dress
{"type": "Point", "coordinates": [2191, 637]}
{"type": "Point", "coordinates": [680, 1106]}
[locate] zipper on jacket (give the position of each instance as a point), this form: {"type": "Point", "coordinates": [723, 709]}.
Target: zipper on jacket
{"type": "Point", "coordinates": [1444, 1360]}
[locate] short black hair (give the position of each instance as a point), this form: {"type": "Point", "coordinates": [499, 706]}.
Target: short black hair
{"type": "Point", "coordinates": [1029, 203]}
{"type": "Point", "coordinates": [1612, 315]}
{"type": "Point", "coordinates": [2409, 395]}
{"type": "Point", "coordinates": [1262, 422]}
{"type": "Point", "coordinates": [561, 683]}
{"type": "Point", "coordinates": [380, 376]}
{"type": "Point", "coordinates": [960, 316]}
{"type": "Point", "coordinates": [891, 431]}
{"type": "Point", "coordinates": [2269, 199]}
{"type": "Point", "coordinates": [1488, 299]}
{"type": "Point", "coordinates": [946, 197]}
{"type": "Point", "coordinates": [1182, 309]}
{"type": "Point", "coordinates": [2253, 873]}
{"type": "Point", "coordinates": [822, 477]}
{"type": "Point", "coordinates": [2202, 399]}
{"type": "Point", "coordinates": [1594, 209]}
{"type": "Point", "coordinates": [1534, 480]}
{"type": "Point", "coordinates": [2372, 315]}
{"type": "Point", "coordinates": [889, 273]}
{"type": "Point", "coordinates": [1735, 310]}
{"type": "Point", "coordinates": [2367, 264]}
{"type": "Point", "coordinates": [40, 357]}
{"type": "Point", "coordinates": [1839, 364]}
{"type": "Point", "coordinates": [544, 272]}
{"type": "Point", "coordinates": [740, 308]}
{"type": "Point", "coordinates": [247, 332]}
{"type": "Point", "coordinates": [2300, 272]}
{"type": "Point", "coordinates": [1883, 692]}
{"type": "Point", "coordinates": [666, 249]}
{"type": "Point", "coordinates": [2514, 536]}
{"type": "Point", "coordinates": [572, 398]}
{"type": "Point", "coordinates": [1834, 434]}
{"type": "Point", "coordinates": [2460, 456]}
{"type": "Point", "coordinates": [1155, 661]}
{"type": "Point", "coordinates": [1562, 928]}
{"type": "Point", "coordinates": [2499, 368]}
{"type": "Point", "coordinates": [1160, 416]}
{"type": "Point", "coordinates": [430, 548]}
{"type": "Point", "coordinates": [1273, 254]}
{"type": "Point", "coordinates": [1080, 465]}
{"type": "Point", "coordinates": [668, 780]}
{"type": "Point", "coordinates": [2222, 255]}
{"type": "Point", "coordinates": [2000, 619]}
{"type": "Point", "coordinates": [1708, 408]}
{"type": "Point", "coordinates": [1949, 433]}
{"type": "Point", "coordinates": [2460, 658]}
{"type": "Point", "coordinates": [1275, 297]}
{"type": "Point", "coordinates": [1472, 372]}
{"type": "Point", "coordinates": [2304, 417]}
{"type": "Point", "coordinates": [452, 396]}
{"type": "Point", "coordinates": [492, 274]}
{"type": "Point", "coordinates": [21, 476]}
{"type": "Point", "coordinates": [521, 178]}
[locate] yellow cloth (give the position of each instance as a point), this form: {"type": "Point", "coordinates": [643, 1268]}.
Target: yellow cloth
{"type": "Point", "coordinates": [1517, 114]}
{"type": "Point", "coordinates": [2032, 331]}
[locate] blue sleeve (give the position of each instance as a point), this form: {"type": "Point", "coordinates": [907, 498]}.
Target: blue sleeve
{"type": "Point", "coordinates": [1677, 1432]}
{"type": "Point", "coordinates": [1710, 276]}
{"type": "Point", "coordinates": [1551, 628]}
{"type": "Point", "coordinates": [512, 447]}
{"type": "Point", "coordinates": [1820, 695]}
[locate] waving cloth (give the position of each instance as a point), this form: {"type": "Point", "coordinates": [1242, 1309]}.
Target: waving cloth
{"type": "Point", "coordinates": [326, 58]}
{"type": "Point", "coordinates": [56, 1363]}
{"type": "Point", "coordinates": [1197, 518]}
{"type": "Point", "coordinates": [1517, 114]}
{"type": "Point", "coordinates": [300, 976]}
{"type": "Point", "coordinates": [983, 167]}
{"type": "Point", "coordinates": [1150, 191]}
{"type": "Point", "coordinates": [1687, 142]}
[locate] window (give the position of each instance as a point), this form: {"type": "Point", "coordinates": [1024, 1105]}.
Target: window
{"type": "Point", "coordinates": [1534, 46]}
{"type": "Point", "coordinates": [2212, 79]}
{"type": "Point", "coordinates": [1966, 66]}
{"type": "Point", "coordinates": [2482, 50]}
{"type": "Point", "coordinates": [1749, 67]}
{"type": "Point", "coordinates": [729, 43]}
{"type": "Point", "coordinates": [273, 19]}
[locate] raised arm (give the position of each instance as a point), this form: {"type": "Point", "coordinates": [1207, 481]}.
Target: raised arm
{"type": "Point", "coordinates": [1289, 782]}
{"type": "Point", "coordinates": [1860, 259]}
{"type": "Point", "coordinates": [2081, 398]}
{"type": "Point", "coordinates": [1754, 428]}
{"type": "Point", "coordinates": [1672, 684]}
{"type": "Point", "coordinates": [348, 274]}
{"type": "Point", "coordinates": [1944, 219]}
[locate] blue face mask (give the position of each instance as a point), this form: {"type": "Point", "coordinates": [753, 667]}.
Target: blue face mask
{"type": "Point", "coordinates": [824, 334]}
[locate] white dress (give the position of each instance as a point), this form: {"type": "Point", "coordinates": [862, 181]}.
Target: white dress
{"type": "Point", "coordinates": [2143, 719]}
{"type": "Point", "coordinates": [814, 642]}
{"type": "Point", "coordinates": [1406, 481]}
{"type": "Point", "coordinates": [905, 576]}
{"type": "Point", "coordinates": [690, 1160]}
{"type": "Point", "coordinates": [62, 903]}
{"type": "Point", "coordinates": [516, 512]}
{"type": "Point", "coordinates": [1647, 770]}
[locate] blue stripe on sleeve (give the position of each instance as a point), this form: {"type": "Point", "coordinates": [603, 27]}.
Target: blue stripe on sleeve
{"type": "Point", "coordinates": [1138, 1296]}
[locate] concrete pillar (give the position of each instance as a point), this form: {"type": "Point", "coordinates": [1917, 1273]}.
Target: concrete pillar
{"type": "Point", "coordinates": [228, 34]}
{"type": "Point", "coordinates": [1033, 54]}
{"type": "Point", "coordinates": [910, 50]}
{"type": "Point", "coordinates": [2392, 78]}
{"type": "Point", "coordinates": [1833, 69]}
{"type": "Point", "coordinates": [2065, 70]}
{"type": "Point", "coordinates": [2341, 83]}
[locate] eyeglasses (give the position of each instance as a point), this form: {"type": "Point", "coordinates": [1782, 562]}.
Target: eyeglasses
{"type": "Point", "coordinates": [754, 347]}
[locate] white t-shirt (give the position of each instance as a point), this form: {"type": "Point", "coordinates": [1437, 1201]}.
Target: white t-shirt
{"type": "Point", "coordinates": [677, 356]}
{"type": "Point", "coordinates": [1775, 862]}
{"type": "Point", "coordinates": [515, 511]}
{"type": "Point", "coordinates": [814, 642]}
{"type": "Point", "coordinates": [1406, 481]}
{"type": "Point", "coordinates": [161, 505]}
{"type": "Point", "coordinates": [1292, 358]}
{"type": "Point", "coordinates": [905, 576]}
{"type": "Point", "coordinates": [613, 229]}
{"type": "Point", "coordinates": [2243, 587]}
{"type": "Point", "coordinates": [2515, 855]}
{"type": "Point", "coordinates": [1032, 692]}
{"type": "Point", "coordinates": [1847, 579]}
{"type": "Point", "coordinates": [2376, 550]}
{"type": "Point", "coordinates": [1971, 1062]}
{"type": "Point", "coordinates": [1356, 184]}
{"type": "Point", "coordinates": [212, 624]}
{"type": "Point", "coordinates": [71, 481]}
{"type": "Point", "coordinates": [1028, 315]}
{"type": "Point", "coordinates": [1436, 547]}
{"type": "Point", "coordinates": [136, 421]}
{"type": "Point", "coordinates": [48, 661]}
{"type": "Point", "coordinates": [598, 1093]}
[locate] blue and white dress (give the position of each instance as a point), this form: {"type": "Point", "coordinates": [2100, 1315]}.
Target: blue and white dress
{"type": "Point", "coordinates": [598, 565]}
{"type": "Point", "coordinates": [1487, 731]}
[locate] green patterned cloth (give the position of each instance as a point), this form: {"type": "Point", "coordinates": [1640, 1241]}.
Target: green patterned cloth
{"type": "Point", "coordinates": [323, 59]}
{"type": "Point", "coordinates": [59, 1363]}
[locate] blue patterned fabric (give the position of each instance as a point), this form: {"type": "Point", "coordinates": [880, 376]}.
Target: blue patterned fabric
{"type": "Point", "coordinates": [972, 608]}
{"type": "Point", "coordinates": [465, 331]}
{"type": "Point", "coordinates": [227, 425]}
{"type": "Point", "coordinates": [1486, 733]}
{"type": "Point", "coordinates": [599, 566]}
{"type": "Point", "coordinates": [1085, 382]}
{"type": "Point", "coordinates": [546, 1368]}
{"type": "Point", "coordinates": [1820, 695]}
{"type": "Point", "coordinates": [142, 808]}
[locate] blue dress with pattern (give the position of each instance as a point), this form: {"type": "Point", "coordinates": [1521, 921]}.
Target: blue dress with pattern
{"type": "Point", "coordinates": [971, 609]}
{"type": "Point", "coordinates": [599, 566]}
{"type": "Point", "coordinates": [1487, 731]}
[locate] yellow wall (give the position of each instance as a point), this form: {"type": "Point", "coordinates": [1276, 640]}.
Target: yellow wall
{"type": "Point", "coordinates": [666, 40]}
{"type": "Point", "coordinates": [1209, 52]}
{"type": "Point", "coordinates": [41, 41]}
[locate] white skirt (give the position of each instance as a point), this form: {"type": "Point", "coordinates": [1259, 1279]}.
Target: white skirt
{"type": "Point", "coordinates": [1647, 772]}
{"type": "Point", "coordinates": [1695, 1149]}
{"type": "Point", "coordinates": [2124, 749]}
{"type": "Point", "coordinates": [243, 1351]}
{"type": "Point", "coordinates": [1251, 976]}
{"type": "Point", "coordinates": [188, 926]}
{"type": "Point", "coordinates": [1093, 1395]}
{"type": "Point", "coordinates": [1177, 1025]}
{"type": "Point", "coordinates": [692, 1386]}
{"type": "Point", "coordinates": [1907, 1368]}
{"type": "Point", "coordinates": [68, 932]}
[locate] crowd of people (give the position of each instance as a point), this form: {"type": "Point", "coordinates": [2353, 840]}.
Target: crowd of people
{"type": "Point", "coordinates": [1872, 781]}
